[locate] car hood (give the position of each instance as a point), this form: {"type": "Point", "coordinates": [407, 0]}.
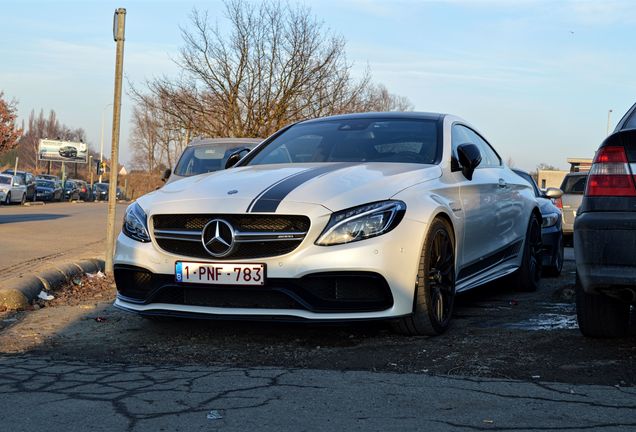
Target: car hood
{"type": "Point", "coordinates": [44, 189]}
{"type": "Point", "coordinates": [272, 188]}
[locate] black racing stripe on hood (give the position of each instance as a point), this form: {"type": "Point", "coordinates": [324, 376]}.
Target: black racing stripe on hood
{"type": "Point", "coordinates": [269, 199]}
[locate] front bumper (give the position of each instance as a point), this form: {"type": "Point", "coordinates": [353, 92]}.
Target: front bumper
{"type": "Point", "coordinates": [604, 245]}
{"type": "Point", "coordinates": [550, 237]}
{"type": "Point", "coordinates": [369, 279]}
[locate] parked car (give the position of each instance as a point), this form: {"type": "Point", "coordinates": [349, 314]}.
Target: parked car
{"type": "Point", "coordinates": [71, 191]}
{"type": "Point", "coordinates": [12, 189]}
{"type": "Point", "coordinates": [83, 189]}
{"type": "Point", "coordinates": [352, 217]}
{"type": "Point", "coordinates": [47, 177]}
{"type": "Point", "coordinates": [207, 155]}
{"type": "Point", "coordinates": [100, 191]}
{"type": "Point", "coordinates": [48, 190]}
{"type": "Point", "coordinates": [551, 231]}
{"type": "Point", "coordinates": [28, 179]}
{"type": "Point", "coordinates": [605, 236]}
{"type": "Point", "coordinates": [573, 187]}
{"type": "Point", "coordinates": [68, 151]}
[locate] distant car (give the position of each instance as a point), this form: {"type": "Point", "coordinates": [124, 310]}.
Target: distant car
{"type": "Point", "coordinates": [605, 236]}
{"type": "Point", "coordinates": [47, 177]}
{"type": "Point", "coordinates": [207, 155]}
{"type": "Point", "coordinates": [573, 187]}
{"type": "Point", "coordinates": [100, 191]}
{"type": "Point", "coordinates": [84, 191]}
{"type": "Point", "coordinates": [71, 191]}
{"type": "Point", "coordinates": [28, 179]}
{"type": "Point", "coordinates": [68, 152]}
{"type": "Point", "coordinates": [48, 190]}
{"type": "Point", "coordinates": [551, 233]}
{"type": "Point", "coordinates": [12, 189]}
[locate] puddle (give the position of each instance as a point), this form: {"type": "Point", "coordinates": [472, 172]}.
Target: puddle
{"type": "Point", "coordinates": [557, 316]}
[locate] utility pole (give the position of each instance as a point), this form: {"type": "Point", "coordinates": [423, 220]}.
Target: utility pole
{"type": "Point", "coordinates": [119, 24]}
{"type": "Point", "coordinates": [609, 115]}
{"type": "Point", "coordinates": [101, 141]}
{"type": "Point", "coordinates": [90, 169]}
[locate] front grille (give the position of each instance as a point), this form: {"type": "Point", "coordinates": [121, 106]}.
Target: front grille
{"type": "Point", "coordinates": [256, 236]}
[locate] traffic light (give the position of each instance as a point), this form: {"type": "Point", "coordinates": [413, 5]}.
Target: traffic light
{"type": "Point", "coordinates": [98, 166]}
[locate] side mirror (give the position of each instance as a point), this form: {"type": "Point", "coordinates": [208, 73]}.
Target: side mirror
{"type": "Point", "coordinates": [166, 175]}
{"type": "Point", "coordinates": [236, 156]}
{"type": "Point", "coordinates": [469, 159]}
{"type": "Point", "coordinates": [553, 193]}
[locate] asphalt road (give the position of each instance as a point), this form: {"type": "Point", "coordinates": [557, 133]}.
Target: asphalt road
{"type": "Point", "coordinates": [43, 394]}
{"type": "Point", "coordinates": [37, 237]}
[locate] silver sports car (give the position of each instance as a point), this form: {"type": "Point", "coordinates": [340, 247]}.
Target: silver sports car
{"type": "Point", "coordinates": [353, 217]}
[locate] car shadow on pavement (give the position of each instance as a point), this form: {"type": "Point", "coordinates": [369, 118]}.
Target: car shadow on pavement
{"type": "Point", "coordinates": [4, 219]}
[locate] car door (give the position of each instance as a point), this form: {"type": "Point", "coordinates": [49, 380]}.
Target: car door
{"type": "Point", "coordinates": [487, 202]}
{"type": "Point", "coordinates": [18, 189]}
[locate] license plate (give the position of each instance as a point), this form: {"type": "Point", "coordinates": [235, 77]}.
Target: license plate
{"type": "Point", "coordinates": [220, 273]}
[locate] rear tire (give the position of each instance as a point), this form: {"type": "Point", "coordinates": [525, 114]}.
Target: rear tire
{"type": "Point", "coordinates": [528, 277]}
{"type": "Point", "coordinates": [600, 316]}
{"type": "Point", "coordinates": [435, 287]}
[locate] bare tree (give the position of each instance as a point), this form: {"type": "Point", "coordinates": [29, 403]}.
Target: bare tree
{"type": "Point", "coordinates": [272, 65]}
{"type": "Point", "coordinates": [9, 132]}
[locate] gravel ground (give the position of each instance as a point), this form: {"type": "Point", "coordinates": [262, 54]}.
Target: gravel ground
{"type": "Point", "coordinates": [496, 332]}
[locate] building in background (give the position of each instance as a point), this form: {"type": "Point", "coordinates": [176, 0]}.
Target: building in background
{"type": "Point", "coordinates": [579, 164]}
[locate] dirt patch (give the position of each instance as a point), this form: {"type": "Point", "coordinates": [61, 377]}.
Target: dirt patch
{"type": "Point", "coordinates": [496, 332]}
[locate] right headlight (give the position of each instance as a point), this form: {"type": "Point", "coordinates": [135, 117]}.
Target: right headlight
{"type": "Point", "coordinates": [550, 220]}
{"type": "Point", "coordinates": [135, 223]}
{"type": "Point", "coordinates": [362, 222]}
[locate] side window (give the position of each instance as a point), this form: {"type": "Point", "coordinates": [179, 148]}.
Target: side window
{"type": "Point", "coordinates": [461, 135]}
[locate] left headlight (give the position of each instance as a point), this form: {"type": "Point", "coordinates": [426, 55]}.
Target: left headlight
{"type": "Point", "coordinates": [549, 220]}
{"type": "Point", "coordinates": [135, 223]}
{"type": "Point", "coordinates": [362, 222]}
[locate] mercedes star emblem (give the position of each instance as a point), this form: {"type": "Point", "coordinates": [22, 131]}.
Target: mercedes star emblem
{"type": "Point", "coordinates": [218, 238]}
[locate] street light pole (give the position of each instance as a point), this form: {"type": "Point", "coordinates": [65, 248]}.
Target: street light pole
{"type": "Point", "coordinates": [609, 115]}
{"type": "Point", "coordinates": [101, 142]}
{"type": "Point", "coordinates": [119, 25]}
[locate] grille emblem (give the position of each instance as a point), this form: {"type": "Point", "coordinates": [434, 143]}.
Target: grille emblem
{"type": "Point", "coordinates": [218, 238]}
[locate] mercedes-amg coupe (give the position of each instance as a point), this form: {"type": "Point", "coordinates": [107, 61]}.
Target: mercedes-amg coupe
{"type": "Point", "coordinates": [352, 217]}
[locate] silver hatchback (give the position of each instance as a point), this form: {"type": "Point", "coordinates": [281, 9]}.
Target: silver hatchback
{"type": "Point", "coordinates": [573, 188]}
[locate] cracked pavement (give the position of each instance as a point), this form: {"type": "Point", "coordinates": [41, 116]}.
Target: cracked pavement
{"type": "Point", "coordinates": [39, 393]}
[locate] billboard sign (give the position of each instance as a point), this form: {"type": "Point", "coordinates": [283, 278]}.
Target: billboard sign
{"type": "Point", "coordinates": [63, 151]}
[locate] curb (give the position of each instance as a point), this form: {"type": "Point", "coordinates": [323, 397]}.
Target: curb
{"type": "Point", "coordinates": [18, 294]}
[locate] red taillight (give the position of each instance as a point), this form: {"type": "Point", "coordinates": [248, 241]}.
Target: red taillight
{"type": "Point", "coordinates": [610, 174]}
{"type": "Point", "coordinates": [558, 202]}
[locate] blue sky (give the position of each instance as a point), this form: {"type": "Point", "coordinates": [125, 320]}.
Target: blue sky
{"type": "Point", "coordinates": [536, 77]}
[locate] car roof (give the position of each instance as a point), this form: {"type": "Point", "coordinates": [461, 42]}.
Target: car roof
{"type": "Point", "coordinates": [381, 115]}
{"type": "Point", "coordinates": [577, 173]}
{"type": "Point", "coordinates": [207, 141]}
{"type": "Point", "coordinates": [5, 175]}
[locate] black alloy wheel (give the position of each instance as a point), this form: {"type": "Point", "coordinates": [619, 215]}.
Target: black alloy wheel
{"type": "Point", "coordinates": [528, 277]}
{"type": "Point", "coordinates": [435, 287]}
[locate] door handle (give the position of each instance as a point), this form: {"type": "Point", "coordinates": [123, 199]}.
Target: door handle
{"type": "Point", "coordinates": [502, 183]}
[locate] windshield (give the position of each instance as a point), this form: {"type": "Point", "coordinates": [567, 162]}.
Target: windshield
{"type": "Point", "coordinates": [69, 185]}
{"type": "Point", "coordinates": [100, 186]}
{"type": "Point", "coordinates": [354, 140]}
{"type": "Point", "coordinates": [45, 183]}
{"type": "Point", "coordinates": [574, 184]}
{"type": "Point", "coordinates": [205, 158]}
{"type": "Point", "coordinates": [5, 180]}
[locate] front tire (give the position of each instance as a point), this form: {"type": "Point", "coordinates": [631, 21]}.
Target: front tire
{"type": "Point", "coordinates": [528, 277]}
{"type": "Point", "coordinates": [7, 199]}
{"type": "Point", "coordinates": [23, 200]}
{"type": "Point", "coordinates": [435, 287]}
{"type": "Point", "coordinates": [600, 316]}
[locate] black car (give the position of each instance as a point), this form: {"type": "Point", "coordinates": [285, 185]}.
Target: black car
{"type": "Point", "coordinates": [551, 226]}
{"type": "Point", "coordinates": [100, 191]}
{"type": "Point", "coordinates": [71, 191]}
{"type": "Point", "coordinates": [84, 189]}
{"type": "Point", "coordinates": [68, 152]}
{"type": "Point", "coordinates": [605, 236]}
{"type": "Point", "coordinates": [48, 190]}
{"type": "Point", "coordinates": [28, 179]}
